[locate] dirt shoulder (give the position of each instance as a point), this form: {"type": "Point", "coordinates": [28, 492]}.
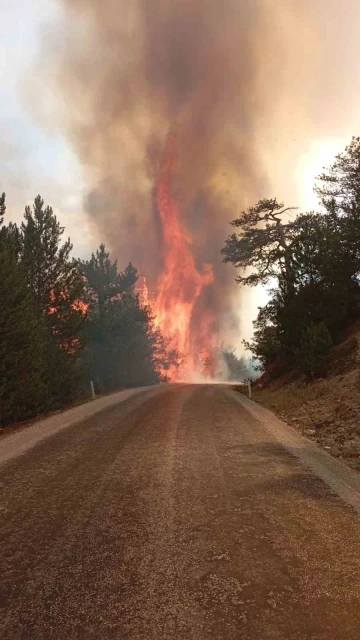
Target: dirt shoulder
{"type": "Point", "coordinates": [327, 410]}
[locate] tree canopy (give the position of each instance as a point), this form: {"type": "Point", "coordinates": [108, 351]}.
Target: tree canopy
{"type": "Point", "coordinates": [312, 261]}
{"type": "Point", "coordinates": [123, 345]}
{"type": "Point", "coordinates": [264, 244]}
{"type": "Point", "coordinates": [64, 322]}
{"type": "Point", "coordinates": [22, 367]}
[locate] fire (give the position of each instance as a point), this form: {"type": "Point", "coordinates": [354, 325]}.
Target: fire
{"type": "Point", "coordinates": [142, 291]}
{"type": "Point", "coordinates": [71, 345]}
{"type": "Point", "coordinates": [78, 305]}
{"type": "Point", "coordinates": [181, 283]}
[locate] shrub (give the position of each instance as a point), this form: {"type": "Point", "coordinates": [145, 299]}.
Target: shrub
{"type": "Point", "coordinates": [313, 355]}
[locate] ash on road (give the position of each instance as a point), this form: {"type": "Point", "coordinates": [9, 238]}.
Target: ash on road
{"type": "Point", "coordinates": [174, 515]}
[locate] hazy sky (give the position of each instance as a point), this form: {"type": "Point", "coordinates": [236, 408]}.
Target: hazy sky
{"type": "Point", "coordinates": [316, 113]}
{"type": "Point", "coordinates": [34, 159]}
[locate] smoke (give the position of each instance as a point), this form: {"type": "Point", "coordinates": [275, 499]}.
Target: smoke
{"type": "Point", "coordinates": [127, 75]}
{"type": "Point", "coordinates": [223, 77]}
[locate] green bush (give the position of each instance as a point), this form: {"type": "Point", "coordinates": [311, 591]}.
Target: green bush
{"type": "Point", "coordinates": [313, 355]}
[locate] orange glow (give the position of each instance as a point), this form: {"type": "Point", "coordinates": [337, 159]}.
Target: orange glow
{"type": "Point", "coordinates": [142, 291]}
{"type": "Point", "coordinates": [181, 283]}
{"type": "Point", "coordinates": [77, 305]}
{"type": "Point", "coordinates": [81, 306]}
{"type": "Point", "coordinates": [71, 345]}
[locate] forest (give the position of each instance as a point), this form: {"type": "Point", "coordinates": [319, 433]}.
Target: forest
{"type": "Point", "coordinates": [311, 263]}
{"type": "Point", "coordinates": [64, 322]}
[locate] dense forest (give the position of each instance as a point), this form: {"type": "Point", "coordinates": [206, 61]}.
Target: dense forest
{"type": "Point", "coordinates": [64, 322]}
{"type": "Point", "coordinates": [312, 263]}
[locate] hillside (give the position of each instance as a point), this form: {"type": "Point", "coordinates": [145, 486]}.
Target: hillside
{"type": "Point", "coordinates": [327, 410]}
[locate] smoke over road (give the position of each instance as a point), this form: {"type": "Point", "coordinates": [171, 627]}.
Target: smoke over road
{"type": "Point", "coordinates": [208, 74]}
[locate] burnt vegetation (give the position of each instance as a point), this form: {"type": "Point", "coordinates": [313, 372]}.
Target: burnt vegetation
{"type": "Point", "coordinates": [311, 261]}
{"type": "Point", "coordinates": [64, 322]}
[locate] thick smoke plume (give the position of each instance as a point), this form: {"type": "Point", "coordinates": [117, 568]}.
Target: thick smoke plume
{"type": "Point", "coordinates": [131, 75]}
{"type": "Point", "coordinates": [134, 71]}
{"type": "Point", "coordinates": [138, 72]}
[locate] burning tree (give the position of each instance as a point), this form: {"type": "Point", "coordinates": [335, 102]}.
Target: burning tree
{"type": "Point", "coordinates": [125, 347]}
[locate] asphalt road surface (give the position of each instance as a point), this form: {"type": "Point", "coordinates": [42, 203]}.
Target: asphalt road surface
{"type": "Point", "coordinates": [174, 515]}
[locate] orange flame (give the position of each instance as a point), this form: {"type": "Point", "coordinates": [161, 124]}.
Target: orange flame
{"type": "Point", "coordinates": [71, 345]}
{"type": "Point", "coordinates": [181, 283]}
{"type": "Point", "coordinates": [78, 305]}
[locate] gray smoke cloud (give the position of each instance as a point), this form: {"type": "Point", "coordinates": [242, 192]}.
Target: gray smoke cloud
{"type": "Point", "coordinates": [222, 75]}
{"type": "Point", "coordinates": [127, 74]}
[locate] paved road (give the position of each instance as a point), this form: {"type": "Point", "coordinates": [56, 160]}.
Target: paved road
{"type": "Point", "coordinates": [174, 515]}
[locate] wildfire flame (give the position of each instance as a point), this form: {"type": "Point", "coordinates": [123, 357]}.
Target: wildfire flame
{"type": "Point", "coordinates": [181, 283]}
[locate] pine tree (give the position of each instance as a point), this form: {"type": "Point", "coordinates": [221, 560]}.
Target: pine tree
{"type": "Point", "coordinates": [58, 288]}
{"type": "Point", "coordinates": [104, 283]}
{"type": "Point", "coordinates": [111, 300]}
{"type": "Point", "coordinates": [339, 186]}
{"type": "Point", "coordinates": [339, 190]}
{"type": "Point", "coordinates": [313, 355]}
{"type": "Point", "coordinates": [124, 346]}
{"type": "Point", "coordinates": [22, 339]}
{"type": "Point", "coordinates": [2, 208]}
{"type": "Point", "coordinates": [53, 277]}
{"type": "Point", "coordinates": [264, 246]}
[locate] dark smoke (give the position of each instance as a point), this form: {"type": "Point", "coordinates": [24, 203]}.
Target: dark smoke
{"type": "Point", "coordinates": [130, 72]}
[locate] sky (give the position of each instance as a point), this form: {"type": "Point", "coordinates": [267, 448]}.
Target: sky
{"type": "Point", "coordinates": [36, 158]}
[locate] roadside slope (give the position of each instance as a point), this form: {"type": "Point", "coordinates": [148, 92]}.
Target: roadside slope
{"type": "Point", "coordinates": [327, 410]}
{"type": "Point", "coordinates": [342, 480]}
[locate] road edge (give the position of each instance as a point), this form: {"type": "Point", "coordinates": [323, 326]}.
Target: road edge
{"type": "Point", "coordinates": [345, 482]}
{"type": "Point", "coordinates": [19, 442]}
